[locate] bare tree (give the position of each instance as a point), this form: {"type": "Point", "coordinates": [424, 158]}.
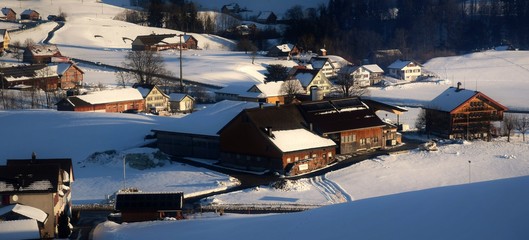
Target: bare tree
{"type": "Point", "coordinates": [348, 84]}
{"type": "Point", "coordinates": [420, 123]}
{"type": "Point", "coordinates": [290, 88]}
{"type": "Point", "coordinates": [122, 79]}
{"type": "Point", "coordinates": [522, 125]}
{"type": "Point", "coordinates": [508, 125]}
{"type": "Point", "coordinates": [147, 67]}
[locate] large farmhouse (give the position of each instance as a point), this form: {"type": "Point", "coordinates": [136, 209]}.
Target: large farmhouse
{"type": "Point", "coordinates": [30, 76]}
{"type": "Point", "coordinates": [118, 100]}
{"type": "Point", "coordinates": [44, 184]}
{"type": "Point", "coordinates": [459, 113]}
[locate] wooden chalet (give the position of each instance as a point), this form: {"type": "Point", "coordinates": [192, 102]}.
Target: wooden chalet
{"type": "Point", "coordinates": [181, 102]}
{"type": "Point", "coordinates": [44, 184]}
{"type": "Point", "coordinates": [459, 113]}
{"type": "Point", "coordinates": [7, 14]}
{"type": "Point", "coordinates": [155, 99]}
{"type": "Point", "coordinates": [189, 42]}
{"type": "Point", "coordinates": [30, 14]}
{"type": "Point", "coordinates": [40, 53]}
{"type": "Point", "coordinates": [153, 42]}
{"type": "Point", "coordinates": [70, 75]}
{"type": "Point", "coordinates": [117, 100]}
{"type": "Point", "coordinates": [275, 139]}
{"type": "Point", "coordinates": [148, 206]}
{"type": "Point", "coordinates": [349, 122]}
{"type": "Point", "coordinates": [5, 39]}
{"type": "Point", "coordinates": [39, 76]}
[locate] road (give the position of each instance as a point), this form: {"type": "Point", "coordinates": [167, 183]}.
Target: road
{"type": "Point", "coordinates": [87, 222]}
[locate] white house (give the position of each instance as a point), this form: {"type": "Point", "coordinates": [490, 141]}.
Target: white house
{"type": "Point", "coordinates": [405, 70]}
{"type": "Point", "coordinates": [375, 73]}
{"type": "Point", "coordinates": [359, 73]}
{"type": "Point", "coordinates": [181, 102]}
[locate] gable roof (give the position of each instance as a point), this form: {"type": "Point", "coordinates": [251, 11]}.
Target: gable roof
{"type": "Point", "coordinates": [43, 50]}
{"type": "Point", "coordinates": [284, 117]}
{"type": "Point", "coordinates": [200, 123]}
{"type": "Point", "coordinates": [298, 139]}
{"type": "Point", "coordinates": [305, 76]}
{"type": "Point", "coordinates": [265, 15]}
{"type": "Point", "coordinates": [187, 37]}
{"type": "Point", "coordinates": [374, 68]}
{"type": "Point", "coordinates": [264, 90]}
{"type": "Point", "coordinates": [30, 178]}
{"type": "Point", "coordinates": [451, 98]}
{"type": "Point", "coordinates": [286, 47]}
{"type": "Point", "coordinates": [63, 67]}
{"type": "Point", "coordinates": [108, 96]}
{"type": "Point", "coordinates": [336, 115]}
{"type": "Point", "coordinates": [319, 62]}
{"type": "Point", "coordinates": [24, 210]}
{"type": "Point", "coordinates": [146, 89]}
{"type": "Point", "coordinates": [28, 12]}
{"type": "Point", "coordinates": [400, 64]}
{"type": "Point", "coordinates": [6, 11]}
{"type": "Point", "coordinates": [151, 39]}
{"type": "Point", "coordinates": [177, 97]}
{"type": "Point", "coordinates": [350, 69]}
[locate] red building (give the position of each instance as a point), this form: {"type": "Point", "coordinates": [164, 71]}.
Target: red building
{"type": "Point", "coordinates": [118, 100]}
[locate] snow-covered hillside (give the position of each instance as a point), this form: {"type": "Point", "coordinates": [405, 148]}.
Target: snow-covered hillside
{"type": "Point", "coordinates": [486, 210]}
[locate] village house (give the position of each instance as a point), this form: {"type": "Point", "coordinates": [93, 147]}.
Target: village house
{"type": "Point", "coordinates": [41, 53]}
{"type": "Point", "coordinates": [30, 14]}
{"type": "Point", "coordinates": [39, 76]}
{"type": "Point", "coordinates": [70, 75]}
{"type": "Point", "coordinates": [359, 74]}
{"type": "Point", "coordinates": [405, 70]}
{"type": "Point", "coordinates": [275, 139]}
{"type": "Point", "coordinates": [286, 50]}
{"type": "Point", "coordinates": [153, 42]}
{"type": "Point", "coordinates": [116, 100]}
{"type": "Point", "coordinates": [266, 17]}
{"type": "Point", "coordinates": [181, 102]}
{"type": "Point", "coordinates": [155, 99]}
{"type": "Point", "coordinates": [459, 113]}
{"type": "Point", "coordinates": [149, 206]}
{"type": "Point", "coordinates": [349, 122]}
{"type": "Point", "coordinates": [375, 73]}
{"type": "Point", "coordinates": [5, 39]}
{"type": "Point", "coordinates": [195, 135]}
{"type": "Point", "coordinates": [189, 42]}
{"type": "Point", "coordinates": [270, 92]}
{"type": "Point", "coordinates": [310, 78]}
{"type": "Point", "coordinates": [7, 14]}
{"type": "Point", "coordinates": [325, 65]}
{"type": "Point", "coordinates": [384, 57]}
{"type": "Point", "coordinates": [44, 184]}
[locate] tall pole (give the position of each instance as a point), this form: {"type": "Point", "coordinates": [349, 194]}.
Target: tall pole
{"type": "Point", "coordinates": [124, 172]}
{"type": "Point", "coordinates": [469, 172]}
{"type": "Point", "coordinates": [181, 81]}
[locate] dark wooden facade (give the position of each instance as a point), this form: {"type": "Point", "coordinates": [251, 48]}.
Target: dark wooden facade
{"type": "Point", "coordinates": [71, 77]}
{"type": "Point", "coordinates": [38, 76]}
{"type": "Point", "coordinates": [30, 14]}
{"type": "Point", "coordinates": [245, 142]}
{"type": "Point", "coordinates": [470, 118]}
{"type": "Point", "coordinates": [189, 42]}
{"type": "Point", "coordinates": [8, 14]}
{"type": "Point", "coordinates": [142, 206]}
{"type": "Point", "coordinates": [188, 145]}
{"type": "Point", "coordinates": [75, 104]}
{"type": "Point", "coordinates": [37, 54]}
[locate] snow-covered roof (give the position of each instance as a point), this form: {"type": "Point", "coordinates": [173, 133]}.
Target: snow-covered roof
{"type": "Point", "coordinates": [19, 229]}
{"type": "Point", "coordinates": [200, 122]}
{"type": "Point", "coordinates": [6, 10]}
{"type": "Point", "coordinates": [305, 77]}
{"type": "Point", "coordinates": [27, 211]}
{"type": "Point", "coordinates": [22, 73]}
{"type": "Point", "coordinates": [269, 89]}
{"type": "Point", "coordinates": [263, 16]}
{"type": "Point", "coordinates": [318, 62]}
{"type": "Point", "coordinates": [374, 68]}
{"type": "Point", "coordinates": [299, 139]}
{"type": "Point", "coordinates": [178, 96]}
{"type": "Point", "coordinates": [44, 50]}
{"type": "Point", "coordinates": [451, 98]}
{"type": "Point", "coordinates": [287, 47]}
{"type": "Point", "coordinates": [28, 11]}
{"type": "Point", "coordinates": [400, 64]}
{"type": "Point", "coordinates": [115, 95]}
{"type": "Point", "coordinates": [235, 89]}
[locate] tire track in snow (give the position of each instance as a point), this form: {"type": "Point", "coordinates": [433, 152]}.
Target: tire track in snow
{"type": "Point", "coordinates": [332, 191]}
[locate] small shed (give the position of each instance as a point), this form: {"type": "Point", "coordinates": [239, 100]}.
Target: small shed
{"type": "Point", "coordinates": [149, 206]}
{"type": "Point", "coordinates": [189, 42]}
{"type": "Point", "coordinates": [181, 102]}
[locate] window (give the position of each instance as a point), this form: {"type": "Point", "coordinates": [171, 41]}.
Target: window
{"type": "Point", "coordinates": [306, 156]}
{"type": "Point", "coordinates": [288, 160]}
{"type": "Point", "coordinates": [296, 159]}
{"type": "Point", "coordinates": [314, 155]}
{"type": "Point", "coordinates": [362, 141]}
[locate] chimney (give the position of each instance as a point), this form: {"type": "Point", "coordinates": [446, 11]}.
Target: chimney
{"type": "Point", "coordinates": [458, 85]}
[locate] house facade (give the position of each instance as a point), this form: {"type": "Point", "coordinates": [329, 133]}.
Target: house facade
{"type": "Point", "coordinates": [189, 42]}
{"type": "Point", "coordinates": [463, 114]}
{"type": "Point", "coordinates": [6, 39]}
{"type": "Point", "coordinates": [350, 123]}
{"type": "Point", "coordinates": [405, 70]}
{"type": "Point", "coordinates": [37, 53]}
{"type": "Point", "coordinates": [273, 139]}
{"type": "Point", "coordinates": [359, 74]}
{"type": "Point", "coordinates": [181, 102]}
{"type": "Point", "coordinates": [155, 99]}
{"type": "Point", "coordinates": [7, 14]}
{"type": "Point", "coordinates": [270, 92]}
{"type": "Point", "coordinates": [118, 100]}
{"type": "Point", "coordinates": [375, 73]}
{"type": "Point", "coordinates": [153, 42]}
{"type": "Point", "coordinates": [70, 75]}
{"type": "Point", "coordinates": [310, 78]}
{"type": "Point", "coordinates": [44, 184]}
{"type": "Point", "coordinates": [30, 14]}
{"type": "Point", "coordinates": [325, 65]}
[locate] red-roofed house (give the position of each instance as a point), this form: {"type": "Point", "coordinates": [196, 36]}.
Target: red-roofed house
{"type": "Point", "coordinates": [462, 114]}
{"type": "Point", "coordinates": [117, 100]}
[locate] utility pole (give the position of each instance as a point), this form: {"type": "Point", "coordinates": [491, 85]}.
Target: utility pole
{"type": "Point", "coordinates": [469, 172]}
{"type": "Point", "coordinates": [124, 171]}
{"type": "Point", "coordinates": [181, 81]}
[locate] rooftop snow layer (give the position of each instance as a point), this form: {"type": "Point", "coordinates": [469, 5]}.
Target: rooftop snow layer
{"type": "Point", "coordinates": [299, 139]}
{"type": "Point", "coordinates": [115, 95]}
{"type": "Point", "coordinates": [450, 99]}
